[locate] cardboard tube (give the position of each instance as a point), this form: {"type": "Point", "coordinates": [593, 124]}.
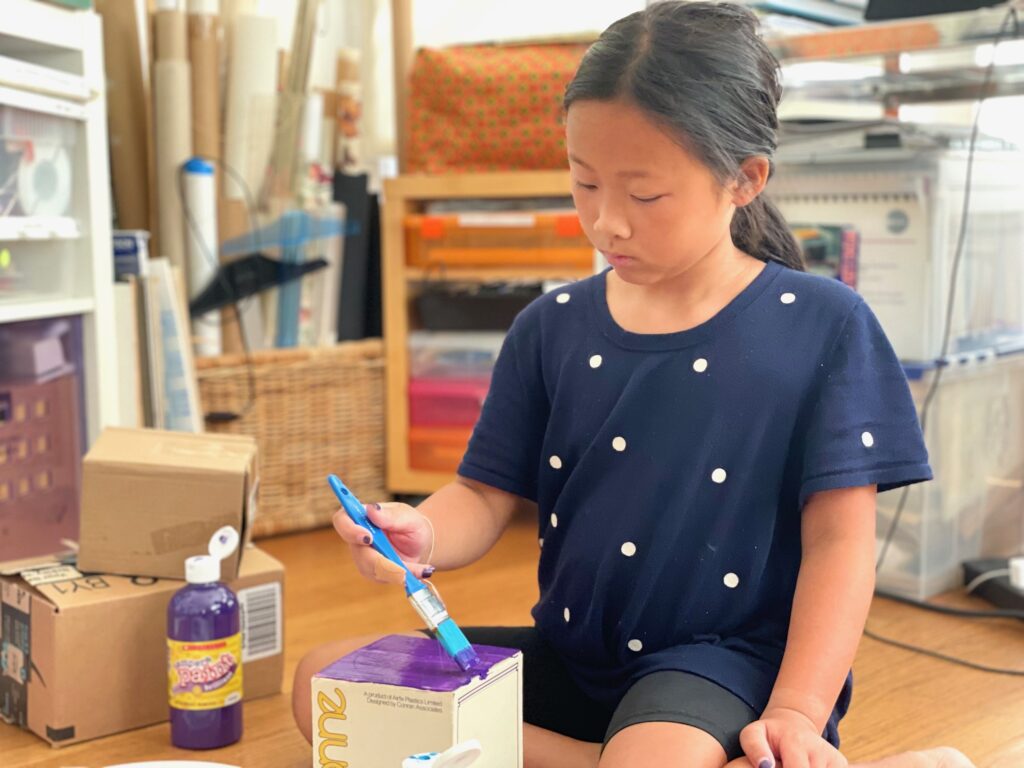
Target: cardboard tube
{"type": "Point", "coordinates": [204, 44]}
{"type": "Point", "coordinates": [172, 82]}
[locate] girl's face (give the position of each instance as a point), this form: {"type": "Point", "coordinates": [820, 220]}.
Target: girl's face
{"type": "Point", "coordinates": [646, 203]}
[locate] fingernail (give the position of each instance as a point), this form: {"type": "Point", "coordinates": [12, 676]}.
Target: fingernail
{"type": "Point", "coordinates": [369, 540]}
{"type": "Point", "coordinates": [766, 763]}
{"type": "Point", "coordinates": [428, 571]}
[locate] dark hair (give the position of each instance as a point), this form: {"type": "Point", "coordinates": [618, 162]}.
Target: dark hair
{"type": "Point", "coordinates": [702, 70]}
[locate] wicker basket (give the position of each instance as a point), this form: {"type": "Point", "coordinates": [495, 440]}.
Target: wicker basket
{"type": "Point", "coordinates": [316, 411]}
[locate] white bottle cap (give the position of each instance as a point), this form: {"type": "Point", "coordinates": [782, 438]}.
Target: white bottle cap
{"type": "Point", "coordinates": [205, 569]}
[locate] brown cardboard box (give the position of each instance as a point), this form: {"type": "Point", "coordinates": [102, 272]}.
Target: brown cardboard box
{"type": "Point", "coordinates": [151, 498]}
{"type": "Point", "coordinates": [86, 655]}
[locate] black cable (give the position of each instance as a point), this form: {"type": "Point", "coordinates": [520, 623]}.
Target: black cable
{"type": "Point", "coordinates": [949, 610]}
{"type": "Point", "coordinates": [933, 387]}
{"type": "Point", "coordinates": [1011, 15]}
{"type": "Point", "coordinates": [944, 656]}
{"type": "Point", "coordinates": [221, 417]}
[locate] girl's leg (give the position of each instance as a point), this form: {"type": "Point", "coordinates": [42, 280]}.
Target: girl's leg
{"type": "Point", "coordinates": [664, 745]}
{"type": "Point", "coordinates": [942, 757]}
{"type": "Point", "coordinates": [311, 663]}
{"type": "Point", "coordinates": [547, 749]}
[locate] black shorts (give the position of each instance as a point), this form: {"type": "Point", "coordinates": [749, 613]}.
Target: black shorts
{"type": "Point", "coordinates": [551, 700]}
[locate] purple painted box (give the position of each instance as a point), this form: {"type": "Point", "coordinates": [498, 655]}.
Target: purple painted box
{"type": "Point", "coordinates": [403, 695]}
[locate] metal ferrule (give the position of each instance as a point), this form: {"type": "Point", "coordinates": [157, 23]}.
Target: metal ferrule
{"type": "Point", "coordinates": [429, 607]}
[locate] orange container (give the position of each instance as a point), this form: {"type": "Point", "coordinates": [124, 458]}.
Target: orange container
{"type": "Point", "coordinates": [499, 239]}
{"type": "Point", "coordinates": [437, 449]}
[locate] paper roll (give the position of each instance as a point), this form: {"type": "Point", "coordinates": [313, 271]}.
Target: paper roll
{"type": "Point", "coordinates": [251, 102]}
{"type": "Point", "coordinates": [44, 182]}
{"type": "Point", "coordinates": [172, 85]}
{"type": "Point", "coordinates": [204, 43]}
{"type": "Point", "coordinates": [201, 220]}
{"type": "Point", "coordinates": [171, 38]}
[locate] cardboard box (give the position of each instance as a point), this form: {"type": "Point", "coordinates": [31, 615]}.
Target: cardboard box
{"type": "Point", "coordinates": [402, 695]}
{"type": "Point", "coordinates": [85, 655]}
{"type": "Point", "coordinates": [151, 498]}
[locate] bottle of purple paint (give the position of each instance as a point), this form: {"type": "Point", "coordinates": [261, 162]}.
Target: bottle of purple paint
{"type": "Point", "coordinates": [204, 653]}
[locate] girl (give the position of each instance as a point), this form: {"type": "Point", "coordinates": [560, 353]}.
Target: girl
{"type": "Point", "coordinates": [700, 431]}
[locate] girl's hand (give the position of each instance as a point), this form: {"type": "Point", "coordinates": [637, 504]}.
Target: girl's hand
{"type": "Point", "coordinates": [785, 738]}
{"type": "Point", "coordinates": [409, 531]}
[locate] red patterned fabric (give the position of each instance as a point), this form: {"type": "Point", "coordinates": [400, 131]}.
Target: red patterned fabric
{"type": "Point", "coordinates": [489, 107]}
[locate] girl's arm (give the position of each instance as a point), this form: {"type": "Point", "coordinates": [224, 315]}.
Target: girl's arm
{"type": "Point", "coordinates": [455, 526]}
{"type": "Point", "coordinates": [830, 607]}
{"type": "Point", "coordinates": [467, 518]}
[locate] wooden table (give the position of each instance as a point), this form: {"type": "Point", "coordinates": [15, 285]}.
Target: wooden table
{"type": "Point", "coordinates": [901, 700]}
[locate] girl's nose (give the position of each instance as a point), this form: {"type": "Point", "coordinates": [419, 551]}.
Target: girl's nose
{"type": "Point", "coordinates": [611, 224]}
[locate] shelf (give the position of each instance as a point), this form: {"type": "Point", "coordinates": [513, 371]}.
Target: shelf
{"type": "Point", "coordinates": [26, 308]}
{"type": "Point", "coordinates": [22, 228]}
{"type": "Point", "coordinates": [930, 59]}
{"type": "Point", "coordinates": [891, 38]}
{"type": "Point", "coordinates": [495, 274]}
{"type": "Point", "coordinates": [33, 26]}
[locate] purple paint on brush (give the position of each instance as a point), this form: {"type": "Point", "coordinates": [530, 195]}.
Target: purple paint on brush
{"type": "Point", "coordinates": [412, 662]}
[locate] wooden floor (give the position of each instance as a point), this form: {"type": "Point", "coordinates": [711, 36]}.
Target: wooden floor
{"type": "Point", "coordinates": [901, 700]}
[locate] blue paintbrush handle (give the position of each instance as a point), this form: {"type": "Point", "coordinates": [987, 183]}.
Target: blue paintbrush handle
{"type": "Point", "coordinates": [357, 514]}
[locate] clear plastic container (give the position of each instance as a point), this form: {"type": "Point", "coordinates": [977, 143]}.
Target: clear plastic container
{"type": "Point", "coordinates": [905, 206]}
{"type": "Point", "coordinates": [975, 505]}
{"type": "Point", "coordinates": [41, 425]}
{"type": "Point", "coordinates": [36, 164]}
{"type": "Point", "coordinates": [453, 355]}
{"type": "Point", "coordinates": [498, 239]}
{"type": "Point", "coordinates": [446, 402]}
{"type": "Point", "coordinates": [438, 449]}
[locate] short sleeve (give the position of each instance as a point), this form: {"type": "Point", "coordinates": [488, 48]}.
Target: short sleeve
{"type": "Point", "coordinates": [505, 447]}
{"type": "Point", "coordinates": [863, 428]}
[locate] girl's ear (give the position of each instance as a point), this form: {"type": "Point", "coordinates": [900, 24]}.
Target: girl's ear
{"type": "Point", "coordinates": [754, 174]}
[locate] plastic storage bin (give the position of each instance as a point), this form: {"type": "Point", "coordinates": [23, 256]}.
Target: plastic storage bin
{"type": "Point", "coordinates": [906, 207]}
{"type": "Point", "coordinates": [455, 307]}
{"type": "Point", "coordinates": [975, 505]}
{"type": "Point", "coordinates": [437, 449]}
{"type": "Point", "coordinates": [446, 402]}
{"type": "Point", "coordinates": [453, 355]}
{"type": "Point", "coordinates": [498, 239]}
{"type": "Point", "coordinates": [36, 165]}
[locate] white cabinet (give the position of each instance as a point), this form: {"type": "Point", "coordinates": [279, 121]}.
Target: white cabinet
{"type": "Point", "coordinates": [55, 239]}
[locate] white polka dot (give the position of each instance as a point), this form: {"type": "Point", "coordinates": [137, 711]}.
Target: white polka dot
{"type": "Point", "coordinates": [619, 444]}
{"type": "Point", "coordinates": [635, 645]}
{"type": "Point", "coordinates": [787, 298]}
{"type": "Point", "coordinates": [700, 365]}
{"type": "Point", "coordinates": [555, 462]}
{"type": "Point", "coordinates": [595, 361]}
{"type": "Point", "coordinates": [565, 615]}
{"type": "Point", "coordinates": [719, 475]}
{"type": "Point", "coordinates": [629, 549]}
{"type": "Point", "coordinates": [731, 580]}
{"type": "Point", "coordinates": [563, 298]}
{"type": "Point", "coordinates": [540, 543]}
{"type": "Point", "coordinates": [554, 520]}
{"type": "Point", "coordinates": [868, 439]}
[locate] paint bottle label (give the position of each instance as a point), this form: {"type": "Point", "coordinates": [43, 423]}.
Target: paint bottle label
{"type": "Point", "coordinates": [205, 674]}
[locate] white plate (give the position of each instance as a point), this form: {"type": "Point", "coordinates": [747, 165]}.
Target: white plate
{"type": "Point", "coordinates": [172, 764]}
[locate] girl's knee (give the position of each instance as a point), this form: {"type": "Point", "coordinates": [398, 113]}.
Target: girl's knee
{"type": "Point", "coordinates": [308, 666]}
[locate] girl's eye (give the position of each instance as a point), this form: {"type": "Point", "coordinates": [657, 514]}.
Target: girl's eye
{"type": "Point", "coordinates": [581, 185]}
{"type": "Point", "coordinates": [647, 199]}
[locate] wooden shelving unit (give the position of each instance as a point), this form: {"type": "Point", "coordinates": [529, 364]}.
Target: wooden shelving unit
{"type": "Point", "coordinates": [407, 195]}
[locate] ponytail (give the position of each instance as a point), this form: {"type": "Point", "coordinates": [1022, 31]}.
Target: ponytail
{"type": "Point", "coordinates": [760, 230]}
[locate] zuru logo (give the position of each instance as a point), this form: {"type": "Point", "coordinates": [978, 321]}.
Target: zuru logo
{"type": "Point", "coordinates": [329, 737]}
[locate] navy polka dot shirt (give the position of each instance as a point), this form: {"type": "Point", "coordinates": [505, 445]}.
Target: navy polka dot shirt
{"type": "Point", "coordinates": [670, 470]}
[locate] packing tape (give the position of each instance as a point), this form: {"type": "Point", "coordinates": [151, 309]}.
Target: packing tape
{"type": "Point", "coordinates": [44, 182]}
